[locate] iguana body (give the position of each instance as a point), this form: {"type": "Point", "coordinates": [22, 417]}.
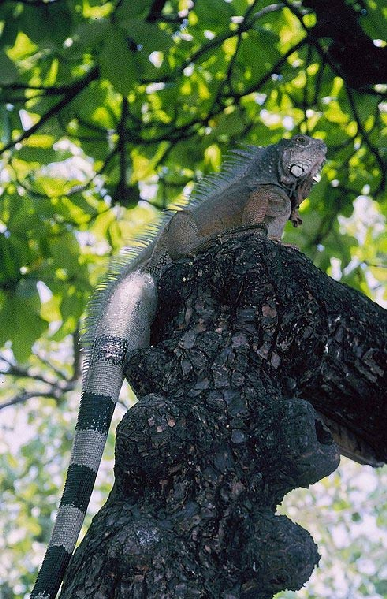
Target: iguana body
{"type": "Point", "coordinates": [261, 186]}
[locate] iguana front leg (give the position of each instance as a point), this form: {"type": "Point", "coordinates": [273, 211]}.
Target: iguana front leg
{"type": "Point", "coordinates": [181, 236]}
{"type": "Point", "coordinates": [270, 205]}
{"type": "Point", "coordinates": [298, 197]}
{"type": "Point", "coordinates": [295, 218]}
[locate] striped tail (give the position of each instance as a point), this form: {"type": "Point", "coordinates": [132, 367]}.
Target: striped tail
{"type": "Point", "coordinates": [123, 326]}
{"type": "Point", "coordinates": [95, 415]}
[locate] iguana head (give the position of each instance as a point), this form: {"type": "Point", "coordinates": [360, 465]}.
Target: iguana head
{"type": "Point", "coordinates": [300, 162]}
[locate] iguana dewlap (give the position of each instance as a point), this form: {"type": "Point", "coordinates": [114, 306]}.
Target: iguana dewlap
{"type": "Point", "coordinates": [259, 186]}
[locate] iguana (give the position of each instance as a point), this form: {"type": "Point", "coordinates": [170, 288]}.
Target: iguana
{"type": "Point", "coordinates": [260, 186]}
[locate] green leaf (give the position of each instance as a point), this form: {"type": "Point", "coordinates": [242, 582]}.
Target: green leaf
{"type": "Point", "coordinates": [129, 9]}
{"type": "Point", "coordinates": [92, 108]}
{"type": "Point", "coordinates": [8, 71]}
{"type": "Point", "coordinates": [51, 186]}
{"type": "Point", "coordinates": [38, 155]}
{"type": "Point", "coordinates": [65, 251]}
{"type": "Point", "coordinates": [213, 13]}
{"type": "Point", "coordinates": [334, 113]}
{"type": "Point", "coordinates": [118, 63]}
{"type": "Point", "coordinates": [47, 23]}
{"type": "Point", "coordinates": [91, 33]}
{"type": "Point", "coordinates": [22, 323]}
{"type": "Point", "coordinates": [11, 27]}
{"type": "Point", "coordinates": [256, 54]}
{"type": "Point", "coordinates": [375, 20]}
{"type": "Point", "coordinates": [147, 35]}
{"type": "Point", "coordinates": [229, 124]}
{"type": "Point", "coordinates": [71, 306]}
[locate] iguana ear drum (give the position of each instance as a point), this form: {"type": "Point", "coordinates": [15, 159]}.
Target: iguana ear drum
{"type": "Point", "coordinates": [296, 170]}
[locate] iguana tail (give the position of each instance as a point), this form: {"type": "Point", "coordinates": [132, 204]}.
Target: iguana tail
{"type": "Point", "coordinates": [126, 307]}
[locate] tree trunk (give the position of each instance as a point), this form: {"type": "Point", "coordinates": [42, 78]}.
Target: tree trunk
{"type": "Point", "coordinates": [250, 339]}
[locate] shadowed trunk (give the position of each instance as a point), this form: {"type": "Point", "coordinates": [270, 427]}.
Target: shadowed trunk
{"type": "Point", "coordinates": [250, 339]}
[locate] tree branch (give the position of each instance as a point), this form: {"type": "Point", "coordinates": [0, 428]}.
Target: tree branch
{"type": "Point", "coordinates": [27, 395]}
{"type": "Point", "coordinates": [381, 162]}
{"type": "Point", "coordinates": [247, 335]}
{"type": "Point", "coordinates": [74, 90]}
{"type": "Point", "coordinates": [155, 10]}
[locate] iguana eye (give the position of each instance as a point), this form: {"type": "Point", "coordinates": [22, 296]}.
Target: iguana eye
{"type": "Point", "coordinates": [300, 139]}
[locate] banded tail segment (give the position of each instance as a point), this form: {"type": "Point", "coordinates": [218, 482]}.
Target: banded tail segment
{"type": "Point", "coordinates": [89, 443]}
{"type": "Point", "coordinates": [123, 326]}
{"type": "Point", "coordinates": [95, 414]}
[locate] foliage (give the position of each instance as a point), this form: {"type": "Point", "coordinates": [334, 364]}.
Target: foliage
{"type": "Point", "coordinates": [112, 110]}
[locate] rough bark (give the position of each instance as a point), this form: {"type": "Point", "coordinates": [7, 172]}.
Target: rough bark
{"type": "Point", "coordinates": [248, 337]}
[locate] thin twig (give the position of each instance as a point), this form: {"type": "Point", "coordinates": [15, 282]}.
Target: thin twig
{"type": "Point", "coordinates": [76, 88]}
{"type": "Point", "coordinates": [382, 164]}
{"type": "Point", "coordinates": [25, 396]}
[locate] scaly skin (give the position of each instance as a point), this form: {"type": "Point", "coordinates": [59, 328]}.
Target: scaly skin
{"type": "Point", "coordinates": [262, 186]}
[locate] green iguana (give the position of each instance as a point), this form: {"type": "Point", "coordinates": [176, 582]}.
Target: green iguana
{"type": "Point", "coordinates": [260, 186]}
